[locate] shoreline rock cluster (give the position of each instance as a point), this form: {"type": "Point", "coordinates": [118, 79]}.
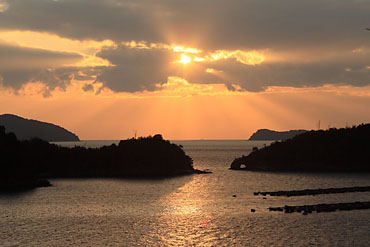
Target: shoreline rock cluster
{"type": "Point", "coordinates": [314, 191]}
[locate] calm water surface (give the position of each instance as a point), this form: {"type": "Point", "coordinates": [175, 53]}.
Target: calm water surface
{"type": "Point", "coordinates": [197, 210]}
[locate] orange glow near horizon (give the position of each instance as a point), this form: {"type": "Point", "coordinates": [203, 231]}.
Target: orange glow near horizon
{"type": "Point", "coordinates": [189, 115]}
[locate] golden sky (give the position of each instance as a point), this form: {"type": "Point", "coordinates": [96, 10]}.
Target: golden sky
{"type": "Point", "coordinates": [186, 69]}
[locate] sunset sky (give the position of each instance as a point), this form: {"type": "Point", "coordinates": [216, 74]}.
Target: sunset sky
{"type": "Point", "coordinates": [188, 69]}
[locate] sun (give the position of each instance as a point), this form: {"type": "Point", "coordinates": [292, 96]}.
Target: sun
{"type": "Point", "coordinates": [185, 59]}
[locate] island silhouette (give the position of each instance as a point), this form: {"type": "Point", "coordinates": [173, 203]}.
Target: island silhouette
{"type": "Point", "coordinates": [26, 129]}
{"type": "Point", "coordinates": [28, 163]}
{"type": "Point", "coordinates": [332, 150]}
{"type": "Point", "coordinates": [272, 135]}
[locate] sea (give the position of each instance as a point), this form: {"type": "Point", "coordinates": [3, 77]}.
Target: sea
{"type": "Point", "coordinates": [216, 209]}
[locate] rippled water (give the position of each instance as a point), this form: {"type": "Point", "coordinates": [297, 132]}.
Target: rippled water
{"type": "Point", "coordinates": [197, 210]}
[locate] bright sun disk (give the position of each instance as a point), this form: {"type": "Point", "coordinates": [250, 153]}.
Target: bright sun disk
{"type": "Point", "coordinates": [185, 59]}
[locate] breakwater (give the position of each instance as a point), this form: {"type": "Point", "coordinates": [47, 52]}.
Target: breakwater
{"type": "Point", "coordinates": [329, 207]}
{"type": "Point", "coordinates": [307, 192]}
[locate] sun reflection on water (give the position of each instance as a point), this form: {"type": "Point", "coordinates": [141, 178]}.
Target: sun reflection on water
{"type": "Point", "coordinates": [184, 200]}
{"type": "Point", "coordinates": [185, 215]}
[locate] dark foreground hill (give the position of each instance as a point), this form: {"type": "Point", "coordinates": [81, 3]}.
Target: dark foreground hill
{"type": "Point", "coordinates": [333, 150]}
{"type": "Point", "coordinates": [24, 163]}
{"type": "Point", "coordinates": [26, 129]}
{"type": "Point", "coordinates": [271, 135]}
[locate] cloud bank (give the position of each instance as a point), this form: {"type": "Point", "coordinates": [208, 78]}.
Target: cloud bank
{"type": "Point", "coordinates": [19, 65]}
{"type": "Point", "coordinates": [302, 43]}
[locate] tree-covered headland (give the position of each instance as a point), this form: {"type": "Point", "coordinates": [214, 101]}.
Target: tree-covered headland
{"type": "Point", "coordinates": [332, 150]}
{"type": "Point", "coordinates": [26, 163]}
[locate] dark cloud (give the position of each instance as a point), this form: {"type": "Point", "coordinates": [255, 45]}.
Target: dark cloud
{"type": "Point", "coordinates": [259, 77]}
{"type": "Point", "coordinates": [350, 69]}
{"type": "Point", "coordinates": [12, 55]}
{"type": "Point", "coordinates": [142, 69]}
{"type": "Point", "coordinates": [136, 69]}
{"type": "Point", "coordinates": [211, 24]}
{"type": "Point", "coordinates": [19, 65]}
{"type": "Point", "coordinates": [88, 87]}
{"type": "Point", "coordinates": [313, 28]}
{"type": "Point", "coordinates": [83, 19]}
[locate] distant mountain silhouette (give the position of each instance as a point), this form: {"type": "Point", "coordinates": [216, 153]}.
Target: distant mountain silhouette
{"type": "Point", "coordinates": [271, 135]}
{"type": "Point", "coordinates": [26, 129]}
{"type": "Point", "coordinates": [333, 150]}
